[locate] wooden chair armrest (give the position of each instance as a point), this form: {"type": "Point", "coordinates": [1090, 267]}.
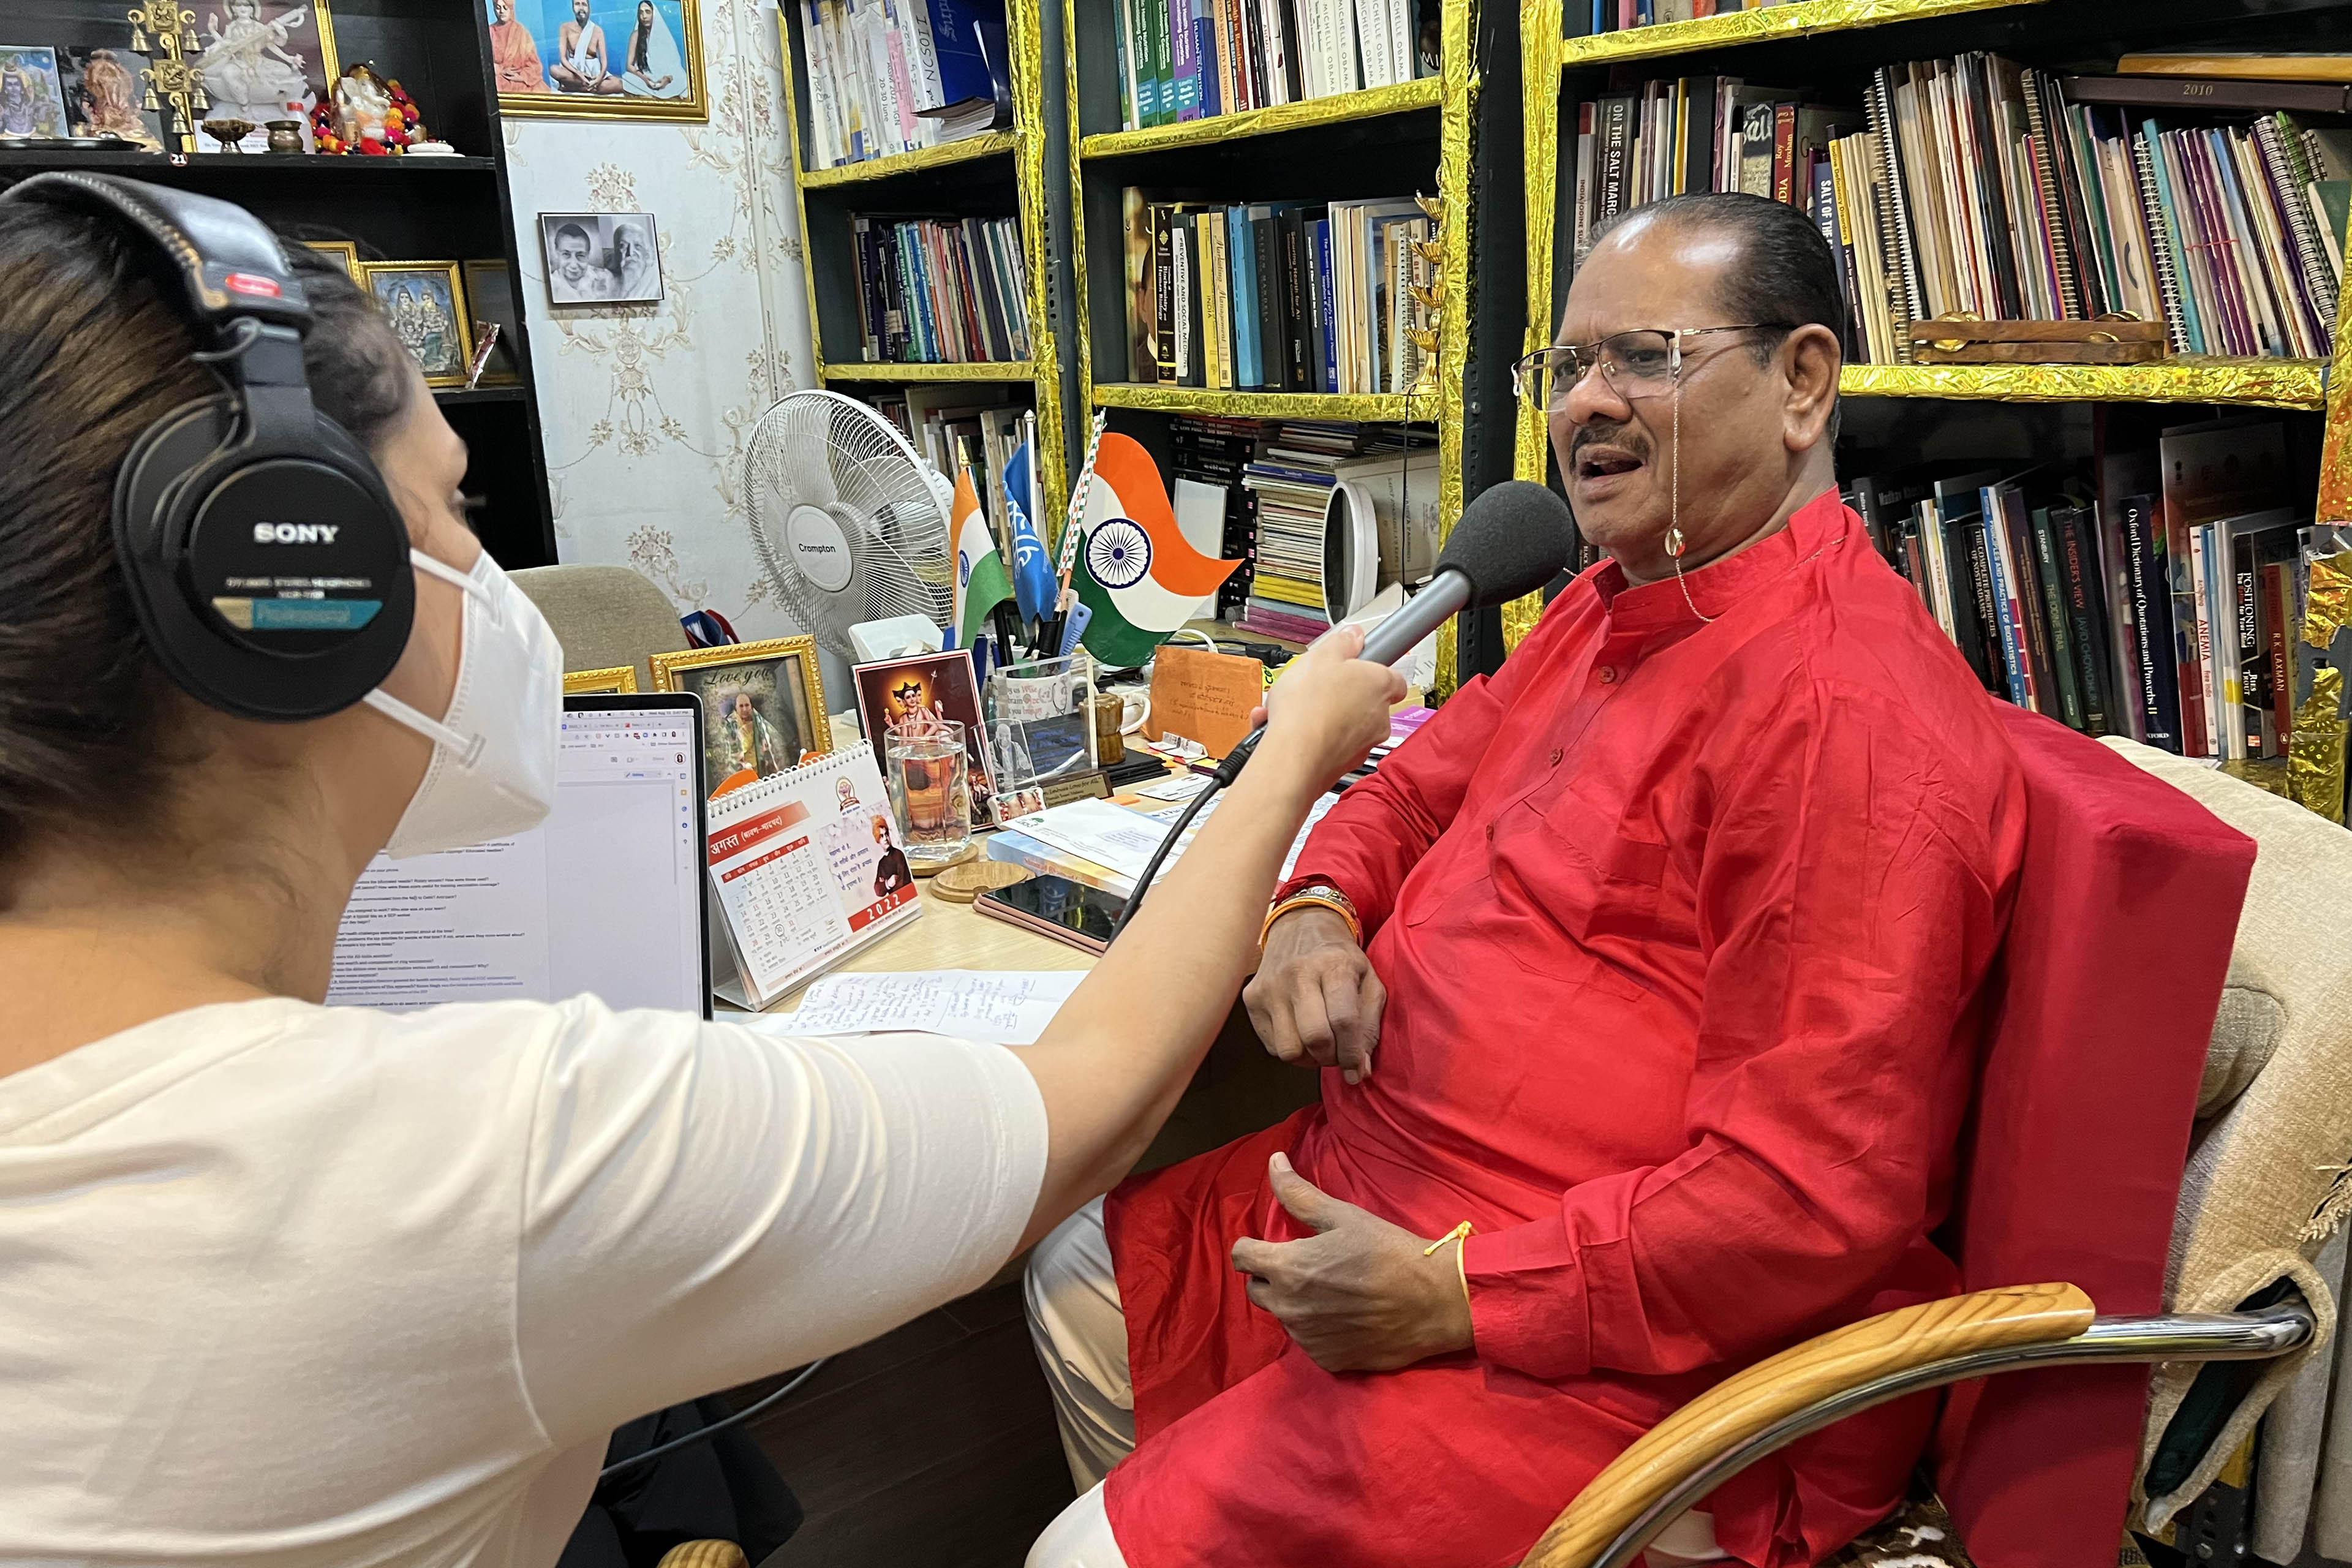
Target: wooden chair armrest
{"type": "Point", "coordinates": [1748, 1402]}
{"type": "Point", "coordinates": [705, 1554]}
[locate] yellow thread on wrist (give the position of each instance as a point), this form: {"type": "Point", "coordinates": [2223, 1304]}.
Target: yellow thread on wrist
{"type": "Point", "coordinates": [1459, 1232]}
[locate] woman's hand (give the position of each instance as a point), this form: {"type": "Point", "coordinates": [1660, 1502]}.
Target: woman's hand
{"type": "Point", "coordinates": [1330, 708]}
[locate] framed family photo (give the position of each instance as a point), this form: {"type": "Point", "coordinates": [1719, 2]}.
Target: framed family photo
{"type": "Point", "coordinates": [424, 301]}
{"type": "Point", "coordinates": [943, 685]}
{"type": "Point", "coordinates": [598, 60]}
{"type": "Point", "coordinates": [762, 706]}
{"type": "Point", "coordinates": [601, 258]}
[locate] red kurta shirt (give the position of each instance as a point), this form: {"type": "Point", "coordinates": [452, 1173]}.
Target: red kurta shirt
{"type": "Point", "coordinates": [1684, 927]}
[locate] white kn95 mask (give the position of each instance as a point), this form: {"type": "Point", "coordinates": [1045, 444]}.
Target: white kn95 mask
{"type": "Point", "coordinates": [493, 768]}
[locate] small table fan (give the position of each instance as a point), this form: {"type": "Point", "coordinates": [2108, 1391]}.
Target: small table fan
{"type": "Point", "coordinates": [850, 525]}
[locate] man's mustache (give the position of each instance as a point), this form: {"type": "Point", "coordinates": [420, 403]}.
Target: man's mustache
{"type": "Point", "coordinates": [1622, 438]}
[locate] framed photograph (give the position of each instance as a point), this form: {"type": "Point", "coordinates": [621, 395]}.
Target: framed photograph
{"type": "Point", "coordinates": [618, 680]}
{"type": "Point", "coordinates": [942, 684]}
{"type": "Point", "coordinates": [32, 102]}
{"type": "Point", "coordinates": [104, 91]}
{"type": "Point", "coordinates": [490, 300]}
{"type": "Point", "coordinates": [344, 251]}
{"type": "Point", "coordinates": [763, 705]}
{"type": "Point", "coordinates": [598, 60]}
{"type": "Point", "coordinates": [265, 60]}
{"type": "Point", "coordinates": [422, 301]}
{"type": "Point", "coordinates": [601, 258]}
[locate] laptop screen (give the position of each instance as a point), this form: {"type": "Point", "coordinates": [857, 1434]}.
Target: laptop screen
{"type": "Point", "coordinates": [605, 897]}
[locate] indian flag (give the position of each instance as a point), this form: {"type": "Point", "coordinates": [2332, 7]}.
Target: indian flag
{"type": "Point", "coordinates": [1135, 570]}
{"type": "Point", "coordinates": [981, 582]}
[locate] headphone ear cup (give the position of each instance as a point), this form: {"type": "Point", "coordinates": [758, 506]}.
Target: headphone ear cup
{"type": "Point", "coordinates": [272, 584]}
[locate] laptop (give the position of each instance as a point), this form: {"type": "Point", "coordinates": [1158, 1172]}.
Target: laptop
{"type": "Point", "coordinates": [605, 897]}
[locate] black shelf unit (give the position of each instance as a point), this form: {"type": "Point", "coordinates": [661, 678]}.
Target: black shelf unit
{"type": "Point", "coordinates": [391, 208]}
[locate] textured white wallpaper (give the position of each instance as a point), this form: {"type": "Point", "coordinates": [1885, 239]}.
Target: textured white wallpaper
{"type": "Point", "coordinates": [644, 408]}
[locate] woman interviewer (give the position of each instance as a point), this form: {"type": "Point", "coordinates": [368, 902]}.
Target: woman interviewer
{"type": "Point", "coordinates": [287, 1285]}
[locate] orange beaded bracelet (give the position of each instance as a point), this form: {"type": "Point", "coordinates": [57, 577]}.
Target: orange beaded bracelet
{"type": "Point", "coordinates": [1322, 897]}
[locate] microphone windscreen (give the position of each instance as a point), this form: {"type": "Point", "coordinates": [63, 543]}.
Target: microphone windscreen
{"type": "Point", "coordinates": [1514, 538]}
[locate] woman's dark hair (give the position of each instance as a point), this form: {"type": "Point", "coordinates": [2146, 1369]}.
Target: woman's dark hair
{"type": "Point", "coordinates": [88, 721]}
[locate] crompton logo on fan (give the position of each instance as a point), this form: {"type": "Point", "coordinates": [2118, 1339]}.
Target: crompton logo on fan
{"type": "Point", "coordinates": [295, 532]}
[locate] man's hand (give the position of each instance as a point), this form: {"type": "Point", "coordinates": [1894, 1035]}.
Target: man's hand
{"type": "Point", "coordinates": [1361, 1295]}
{"type": "Point", "coordinates": [1315, 1000]}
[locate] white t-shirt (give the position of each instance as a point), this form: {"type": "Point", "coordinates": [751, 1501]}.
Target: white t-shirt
{"type": "Point", "coordinates": [287, 1285]}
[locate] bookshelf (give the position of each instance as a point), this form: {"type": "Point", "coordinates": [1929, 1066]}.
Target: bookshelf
{"type": "Point", "coordinates": [389, 208]}
{"type": "Point", "coordinates": [1814, 41]}
{"type": "Point", "coordinates": [991, 174]}
{"type": "Point", "coordinates": [1374, 143]}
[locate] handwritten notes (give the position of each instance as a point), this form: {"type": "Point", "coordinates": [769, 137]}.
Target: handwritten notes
{"type": "Point", "coordinates": [1008, 1008]}
{"type": "Point", "coordinates": [1203, 696]}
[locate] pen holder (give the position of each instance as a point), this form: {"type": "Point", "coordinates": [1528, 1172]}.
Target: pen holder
{"type": "Point", "coordinates": [931, 792]}
{"type": "Point", "coordinates": [1041, 728]}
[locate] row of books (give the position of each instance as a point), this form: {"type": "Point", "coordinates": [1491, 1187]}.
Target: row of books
{"type": "Point", "coordinates": [2157, 600]}
{"type": "Point", "coordinates": [1211, 454]}
{"type": "Point", "coordinates": [973, 429]}
{"type": "Point", "coordinates": [941, 290]}
{"type": "Point", "coordinates": [1192, 59]}
{"type": "Point", "coordinates": [1278, 296]}
{"type": "Point", "coordinates": [1616, 16]}
{"type": "Point", "coordinates": [1976, 188]}
{"type": "Point", "coordinates": [891, 76]}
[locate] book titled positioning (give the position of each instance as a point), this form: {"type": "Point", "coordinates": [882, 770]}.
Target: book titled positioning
{"type": "Point", "coordinates": [806, 868]}
{"type": "Point", "coordinates": [1975, 188]}
{"type": "Point", "coordinates": [941, 290]}
{"type": "Point", "coordinates": [892, 76]}
{"type": "Point", "coordinates": [1280, 296]}
{"type": "Point", "coordinates": [1191, 59]}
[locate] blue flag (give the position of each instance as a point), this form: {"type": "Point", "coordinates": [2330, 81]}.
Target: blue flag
{"type": "Point", "coordinates": [1033, 574]}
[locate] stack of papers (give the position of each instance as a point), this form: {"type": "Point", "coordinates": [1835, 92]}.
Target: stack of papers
{"type": "Point", "coordinates": [1009, 1008]}
{"type": "Point", "coordinates": [1106, 846]}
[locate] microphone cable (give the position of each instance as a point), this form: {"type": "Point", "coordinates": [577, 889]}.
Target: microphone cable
{"type": "Point", "coordinates": [1227, 771]}
{"type": "Point", "coordinates": [716, 1427]}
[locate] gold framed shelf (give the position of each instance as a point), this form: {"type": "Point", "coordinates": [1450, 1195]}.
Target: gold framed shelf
{"type": "Point", "coordinates": [1378, 406]}
{"type": "Point", "coordinates": [1770, 23]}
{"type": "Point", "coordinates": [832, 194]}
{"type": "Point", "coordinates": [1338, 108]}
{"type": "Point", "coordinates": [986, 145]}
{"type": "Point", "coordinates": [2185, 378]}
{"type": "Point", "coordinates": [960, 370]}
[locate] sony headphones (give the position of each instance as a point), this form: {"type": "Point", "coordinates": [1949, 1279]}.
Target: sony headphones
{"type": "Point", "coordinates": [267, 562]}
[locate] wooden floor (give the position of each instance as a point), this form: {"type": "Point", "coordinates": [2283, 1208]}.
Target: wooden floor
{"type": "Point", "coordinates": [933, 1446]}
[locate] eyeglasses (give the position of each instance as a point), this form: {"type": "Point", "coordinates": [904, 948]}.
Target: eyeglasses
{"type": "Point", "coordinates": [1644, 363]}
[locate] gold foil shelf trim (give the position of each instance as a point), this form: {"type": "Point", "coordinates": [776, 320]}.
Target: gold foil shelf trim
{"type": "Point", "coordinates": [1338, 108]}
{"type": "Point", "coordinates": [2315, 747]}
{"type": "Point", "coordinates": [2185, 378]}
{"type": "Point", "coordinates": [1772, 22]}
{"type": "Point", "coordinates": [2327, 607]}
{"type": "Point", "coordinates": [986, 145]}
{"type": "Point", "coordinates": [967, 369]}
{"type": "Point", "coordinates": [1172, 399]}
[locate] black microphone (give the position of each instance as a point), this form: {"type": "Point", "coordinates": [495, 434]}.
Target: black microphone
{"type": "Point", "coordinates": [1511, 541]}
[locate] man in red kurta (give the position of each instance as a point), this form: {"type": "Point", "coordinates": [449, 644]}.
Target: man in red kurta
{"type": "Point", "coordinates": [1674, 936]}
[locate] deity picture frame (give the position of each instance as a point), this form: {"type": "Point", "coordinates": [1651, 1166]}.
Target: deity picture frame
{"type": "Point", "coordinates": [304, 29]}
{"type": "Point", "coordinates": [779, 678]}
{"type": "Point", "coordinates": [426, 303]}
{"type": "Point", "coordinates": [650, 67]}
